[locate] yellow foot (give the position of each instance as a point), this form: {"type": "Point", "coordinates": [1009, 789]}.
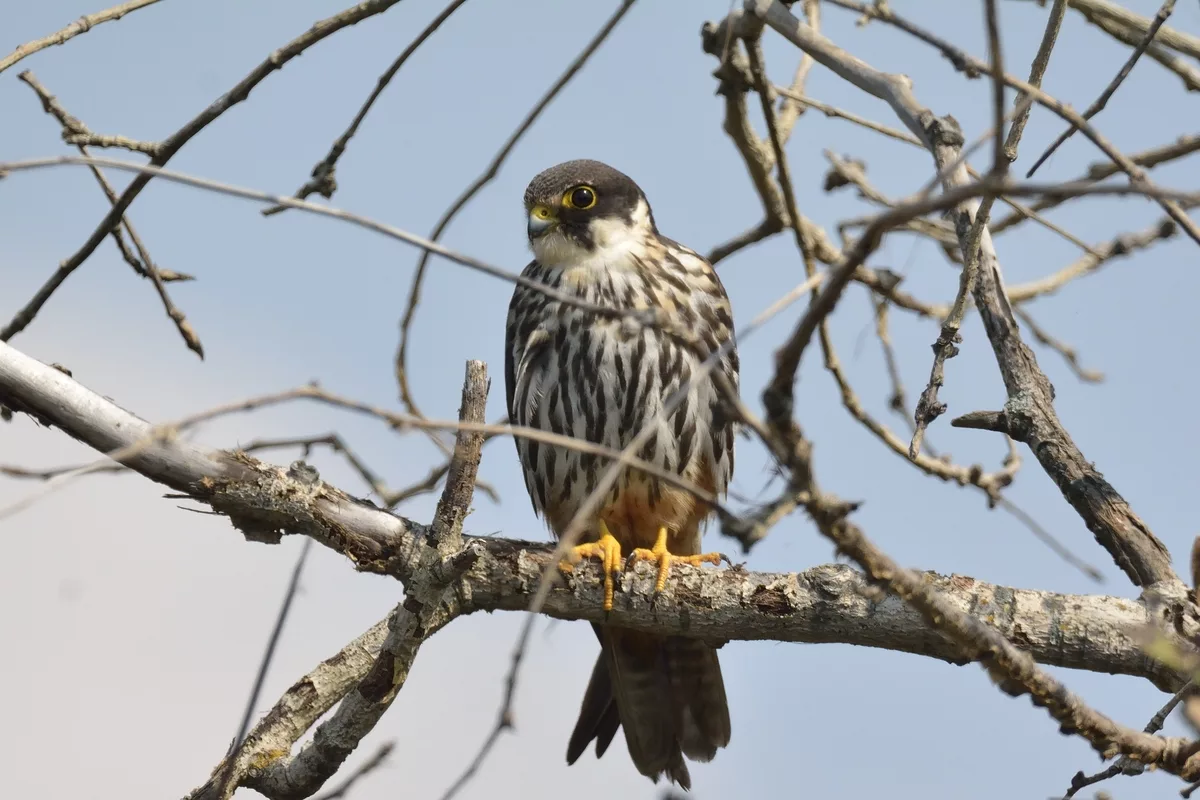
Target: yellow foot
{"type": "Point", "coordinates": [608, 550]}
{"type": "Point", "coordinates": [659, 554]}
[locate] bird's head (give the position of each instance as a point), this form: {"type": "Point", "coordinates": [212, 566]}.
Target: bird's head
{"type": "Point", "coordinates": [580, 209]}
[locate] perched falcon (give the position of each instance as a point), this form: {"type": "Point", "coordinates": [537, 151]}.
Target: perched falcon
{"type": "Point", "coordinates": [590, 376]}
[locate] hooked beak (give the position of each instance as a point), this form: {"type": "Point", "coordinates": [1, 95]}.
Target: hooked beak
{"type": "Point", "coordinates": [541, 220]}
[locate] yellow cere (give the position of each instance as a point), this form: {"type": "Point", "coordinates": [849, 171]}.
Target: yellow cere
{"type": "Point", "coordinates": [541, 212]}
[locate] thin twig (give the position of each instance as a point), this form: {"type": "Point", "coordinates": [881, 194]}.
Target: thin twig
{"type": "Point", "coordinates": [1049, 539]}
{"type": "Point", "coordinates": [175, 142]}
{"type": "Point", "coordinates": [361, 771]}
{"type": "Point", "coordinates": [1124, 764]}
{"type": "Point", "coordinates": [1069, 354]}
{"type": "Point", "coordinates": [1180, 148]}
{"type": "Point", "coordinates": [399, 421]}
{"type": "Point", "coordinates": [1021, 110]}
{"type": "Point", "coordinates": [145, 266]}
{"type": "Point", "coordinates": [835, 112]}
{"type": "Point", "coordinates": [493, 168]}
{"type": "Point", "coordinates": [996, 57]}
{"type": "Point", "coordinates": [87, 138]}
{"type": "Point", "coordinates": [1040, 61]}
{"type": "Point", "coordinates": [323, 181]}
{"type": "Point", "coordinates": [973, 67]}
{"type": "Point", "coordinates": [891, 219]}
{"type": "Point", "coordinates": [1160, 49]}
{"type": "Point", "coordinates": [264, 666]}
{"type": "Point", "coordinates": [1096, 107]}
{"type": "Point", "coordinates": [649, 317]}
{"type": "Point", "coordinates": [929, 407]}
{"type": "Point", "coordinates": [1100, 254]}
{"type": "Point", "coordinates": [81, 25]}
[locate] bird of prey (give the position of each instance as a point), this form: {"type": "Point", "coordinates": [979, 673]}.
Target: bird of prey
{"type": "Point", "coordinates": [600, 378]}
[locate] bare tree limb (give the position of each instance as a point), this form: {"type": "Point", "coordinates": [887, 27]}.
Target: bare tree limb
{"type": "Point", "coordinates": [81, 25]}
{"type": "Point", "coordinates": [972, 67]}
{"type": "Point", "coordinates": [1096, 107]}
{"type": "Point", "coordinates": [306, 701]}
{"type": "Point", "coordinates": [1124, 764]}
{"type": "Point", "coordinates": [265, 502]}
{"type": "Point", "coordinates": [426, 608]}
{"type": "Point", "coordinates": [1069, 354]}
{"type": "Point", "coordinates": [1040, 61]}
{"type": "Point", "coordinates": [1095, 10]}
{"type": "Point", "coordinates": [1183, 146]}
{"type": "Point", "coordinates": [289, 597]}
{"type": "Point", "coordinates": [143, 264]}
{"type": "Point", "coordinates": [323, 181]}
{"type": "Point", "coordinates": [175, 142]}
{"type": "Point", "coordinates": [361, 771]}
{"type": "Point", "coordinates": [1133, 36]}
{"type": "Point", "coordinates": [1133, 546]}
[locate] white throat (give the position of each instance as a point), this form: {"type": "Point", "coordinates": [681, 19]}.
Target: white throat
{"type": "Point", "coordinates": [616, 240]}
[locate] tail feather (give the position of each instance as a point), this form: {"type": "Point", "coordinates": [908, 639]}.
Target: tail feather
{"type": "Point", "coordinates": [699, 692]}
{"type": "Point", "coordinates": [667, 693]}
{"type": "Point", "coordinates": [598, 718]}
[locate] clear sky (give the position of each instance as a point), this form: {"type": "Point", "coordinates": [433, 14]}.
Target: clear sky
{"type": "Point", "coordinates": [132, 628]}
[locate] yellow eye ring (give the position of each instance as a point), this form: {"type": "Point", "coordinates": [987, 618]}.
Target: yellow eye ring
{"type": "Point", "coordinates": [579, 198]}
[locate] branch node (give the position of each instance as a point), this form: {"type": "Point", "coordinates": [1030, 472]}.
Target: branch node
{"type": "Point", "coordinates": [983, 420]}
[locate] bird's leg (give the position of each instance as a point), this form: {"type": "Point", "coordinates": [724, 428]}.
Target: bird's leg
{"type": "Point", "coordinates": [608, 550]}
{"type": "Point", "coordinates": [664, 558]}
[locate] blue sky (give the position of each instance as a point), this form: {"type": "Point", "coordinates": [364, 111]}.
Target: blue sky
{"type": "Point", "coordinates": [134, 622]}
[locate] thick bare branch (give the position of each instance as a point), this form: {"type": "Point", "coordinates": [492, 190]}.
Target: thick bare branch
{"type": "Point", "coordinates": [438, 561]}
{"type": "Point", "coordinates": [827, 604]}
{"type": "Point", "coordinates": [306, 701]}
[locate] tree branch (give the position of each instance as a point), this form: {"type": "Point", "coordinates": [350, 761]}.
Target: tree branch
{"type": "Point", "coordinates": [1100, 102]}
{"type": "Point", "coordinates": [142, 264]}
{"type": "Point", "coordinates": [81, 25]}
{"type": "Point", "coordinates": [825, 604]}
{"type": "Point", "coordinates": [438, 563]}
{"type": "Point", "coordinates": [175, 142]}
{"type": "Point", "coordinates": [1031, 416]}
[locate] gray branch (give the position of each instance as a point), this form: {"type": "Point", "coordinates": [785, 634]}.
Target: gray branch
{"type": "Point", "coordinates": [826, 604]}
{"type": "Point", "coordinates": [1032, 416]}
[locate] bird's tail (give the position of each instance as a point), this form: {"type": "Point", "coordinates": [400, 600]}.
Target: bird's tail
{"type": "Point", "coordinates": [668, 694]}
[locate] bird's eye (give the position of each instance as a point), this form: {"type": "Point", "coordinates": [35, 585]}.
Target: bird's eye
{"type": "Point", "coordinates": [580, 198]}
